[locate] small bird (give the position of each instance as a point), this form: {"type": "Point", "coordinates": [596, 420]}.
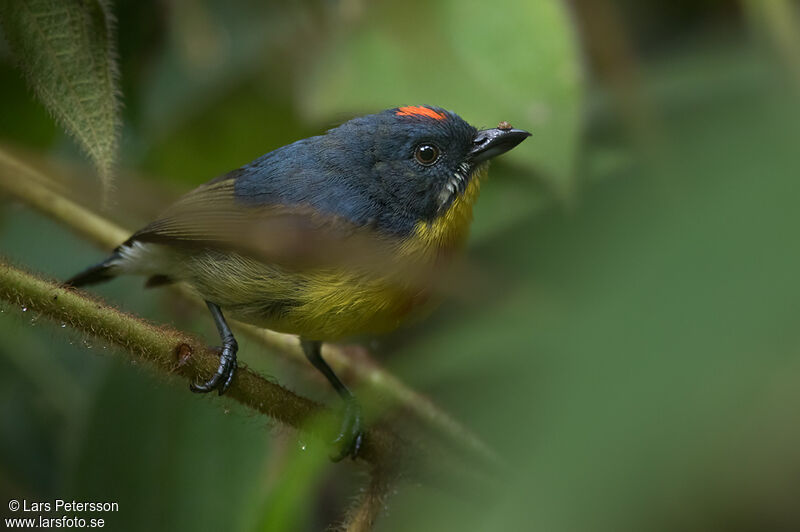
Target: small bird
{"type": "Point", "coordinates": [329, 237]}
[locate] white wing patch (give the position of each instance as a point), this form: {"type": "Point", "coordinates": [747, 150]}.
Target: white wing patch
{"type": "Point", "coordinates": [144, 259]}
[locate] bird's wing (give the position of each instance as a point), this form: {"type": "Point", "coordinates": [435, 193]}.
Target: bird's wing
{"type": "Point", "coordinates": [190, 218]}
{"type": "Point", "coordinates": [210, 217]}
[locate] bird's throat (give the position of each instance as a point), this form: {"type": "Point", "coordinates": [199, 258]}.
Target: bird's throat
{"type": "Point", "coordinates": [449, 230]}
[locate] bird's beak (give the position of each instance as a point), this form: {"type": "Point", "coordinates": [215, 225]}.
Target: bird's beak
{"type": "Point", "coordinates": [490, 143]}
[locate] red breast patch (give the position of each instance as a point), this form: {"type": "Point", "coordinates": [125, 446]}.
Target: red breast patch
{"type": "Point", "coordinates": [420, 111]}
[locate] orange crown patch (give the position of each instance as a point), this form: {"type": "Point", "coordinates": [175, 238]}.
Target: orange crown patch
{"type": "Point", "coordinates": [420, 111]}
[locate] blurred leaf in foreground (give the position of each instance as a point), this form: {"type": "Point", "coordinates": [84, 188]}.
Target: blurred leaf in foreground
{"type": "Point", "coordinates": [778, 22]}
{"type": "Point", "coordinates": [66, 50]}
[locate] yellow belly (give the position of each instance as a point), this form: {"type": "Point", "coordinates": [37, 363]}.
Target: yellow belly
{"type": "Point", "coordinates": [336, 306]}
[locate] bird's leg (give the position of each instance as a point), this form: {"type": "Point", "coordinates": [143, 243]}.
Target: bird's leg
{"type": "Point", "coordinates": [351, 433]}
{"type": "Point", "coordinates": [223, 378]}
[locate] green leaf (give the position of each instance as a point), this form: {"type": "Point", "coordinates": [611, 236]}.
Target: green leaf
{"type": "Point", "coordinates": [516, 61]}
{"type": "Point", "coordinates": [66, 50]}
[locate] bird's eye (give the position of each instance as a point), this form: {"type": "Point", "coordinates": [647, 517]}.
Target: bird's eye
{"type": "Point", "coordinates": [426, 154]}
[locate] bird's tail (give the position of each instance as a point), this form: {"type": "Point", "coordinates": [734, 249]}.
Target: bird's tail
{"type": "Point", "coordinates": [99, 273]}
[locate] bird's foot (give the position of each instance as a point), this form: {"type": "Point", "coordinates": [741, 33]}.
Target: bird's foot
{"type": "Point", "coordinates": [351, 433]}
{"type": "Point", "coordinates": [223, 378]}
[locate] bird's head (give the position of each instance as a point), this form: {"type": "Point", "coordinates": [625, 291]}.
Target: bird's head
{"type": "Point", "coordinates": [417, 161]}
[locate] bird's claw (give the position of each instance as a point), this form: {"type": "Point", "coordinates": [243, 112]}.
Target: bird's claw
{"type": "Point", "coordinates": [351, 433]}
{"type": "Point", "coordinates": [223, 378]}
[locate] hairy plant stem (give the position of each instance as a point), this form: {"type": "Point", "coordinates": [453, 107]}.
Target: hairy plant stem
{"type": "Point", "coordinates": [362, 516]}
{"type": "Point", "coordinates": [170, 352]}
{"type": "Point", "coordinates": [173, 353]}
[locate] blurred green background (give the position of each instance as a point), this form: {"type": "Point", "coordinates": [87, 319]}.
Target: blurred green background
{"type": "Point", "coordinates": [633, 350]}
